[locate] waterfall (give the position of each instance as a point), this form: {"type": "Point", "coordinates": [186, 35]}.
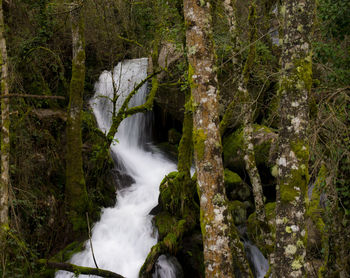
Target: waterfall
{"type": "Point", "coordinates": [124, 235]}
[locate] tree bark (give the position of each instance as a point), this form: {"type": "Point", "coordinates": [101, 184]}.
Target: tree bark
{"type": "Point", "coordinates": [293, 176]}
{"type": "Point", "coordinates": [216, 222]}
{"type": "Point", "coordinates": [5, 137]}
{"type": "Point", "coordinates": [76, 195]}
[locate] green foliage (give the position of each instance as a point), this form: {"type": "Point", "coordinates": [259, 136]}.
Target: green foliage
{"type": "Point", "coordinates": [335, 17]}
{"type": "Point", "coordinates": [343, 182]}
{"type": "Point", "coordinates": [335, 61]}
{"type": "Point", "coordinates": [20, 259]}
{"type": "Point", "coordinates": [332, 49]}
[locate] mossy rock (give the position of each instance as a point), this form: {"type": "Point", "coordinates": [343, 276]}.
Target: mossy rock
{"type": "Point", "coordinates": [264, 140]}
{"type": "Point", "coordinates": [238, 211]}
{"type": "Point", "coordinates": [169, 196]}
{"type": "Point", "coordinates": [172, 191]}
{"type": "Point", "coordinates": [255, 228]}
{"type": "Point", "coordinates": [169, 149]}
{"type": "Point", "coordinates": [236, 188]}
{"type": "Point", "coordinates": [170, 241]}
{"type": "Point", "coordinates": [174, 136]}
{"type": "Point", "coordinates": [190, 255]}
{"type": "Point", "coordinates": [232, 179]}
{"type": "Point", "coordinates": [164, 223]}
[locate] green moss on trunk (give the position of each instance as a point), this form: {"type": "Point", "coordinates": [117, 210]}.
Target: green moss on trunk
{"type": "Point", "coordinates": [75, 191]}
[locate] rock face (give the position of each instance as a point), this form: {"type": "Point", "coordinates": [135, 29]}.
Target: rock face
{"type": "Point", "coordinates": [170, 99]}
{"type": "Point", "coordinates": [168, 55]}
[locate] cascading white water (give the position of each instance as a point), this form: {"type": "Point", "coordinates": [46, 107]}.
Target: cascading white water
{"type": "Point", "coordinates": [257, 260]}
{"type": "Point", "coordinates": [124, 235]}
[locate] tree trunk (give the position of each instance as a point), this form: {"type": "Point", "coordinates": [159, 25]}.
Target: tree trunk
{"type": "Point", "coordinates": [293, 176]}
{"type": "Point", "coordinates": [5, 136]}
{"type": "Point", "coordinates": [76, 194]}
{"type": "Point", "coordinates": [216, 222]}
{"type": "Point", "coordinates": [248, 112]}
{"type": "Point", "coordinates": [230, 7]}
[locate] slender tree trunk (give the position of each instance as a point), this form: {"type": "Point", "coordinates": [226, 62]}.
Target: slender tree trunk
{"type": "Point", "coordinates": [230, 7]}
{"type": "Point", "coordinates": [216, 222]}
{"type": "Point", "coordinates": [76, 194]}
{"type": "Point", "coordinates": [5, 136]}
{"type": "Point", "coordinates": [248, 129]}
{"type": "Point", "coordinates": [293, 176]}
{"type": "Point", "coordinates": [242, 77]}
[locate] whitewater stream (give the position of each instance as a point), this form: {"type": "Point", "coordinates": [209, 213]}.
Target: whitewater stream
{"type": "Point", "coordinates": [124, 235]}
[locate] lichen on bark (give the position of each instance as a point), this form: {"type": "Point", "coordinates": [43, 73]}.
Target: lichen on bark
{"type": "Point", "coordinates": [292, 162]}
{"type": "Point", "coordinates": [216, 222]}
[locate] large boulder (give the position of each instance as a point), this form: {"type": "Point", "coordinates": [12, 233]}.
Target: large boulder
{"type": "Point", "coordinates": [264, 140]}
{"type": "Point", "coordinates": [238, 211]}
{"type": "Point", "coordinates": [236, 188]}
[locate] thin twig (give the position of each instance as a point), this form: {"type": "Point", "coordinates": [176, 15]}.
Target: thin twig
{"type": "Point", "coordinates": [89, 232]}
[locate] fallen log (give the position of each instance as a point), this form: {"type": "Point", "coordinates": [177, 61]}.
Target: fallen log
{"type": "Point", "coordinates": [79, 269]}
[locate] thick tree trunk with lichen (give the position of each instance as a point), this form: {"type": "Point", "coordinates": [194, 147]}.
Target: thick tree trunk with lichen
{"type": "Point", "coordinates": [5, 136]}
{"type": "Point", "coordinates": [76, 195]}
{"type": "Point", "coordinates": [216, 222]}
{"type": "Point", "coordinates": [293, 176]}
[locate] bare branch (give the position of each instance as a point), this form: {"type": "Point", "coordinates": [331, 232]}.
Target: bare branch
{"type": "Point", "coordinates": [32, 96]}
{"type": "Point", "coordinates": [124, 111]}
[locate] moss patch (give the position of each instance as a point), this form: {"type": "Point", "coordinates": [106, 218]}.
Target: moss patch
{"type": "Point", "coordinates": [236, 188]}
{"type": "Point", "coordinates": [164, 223]}
{"type": "Point", "coordinates": [231, 178]}
{"type": "Point", "coordinates": [199, 138]}
{"type": "Point", "coordinates": [233, 147]}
